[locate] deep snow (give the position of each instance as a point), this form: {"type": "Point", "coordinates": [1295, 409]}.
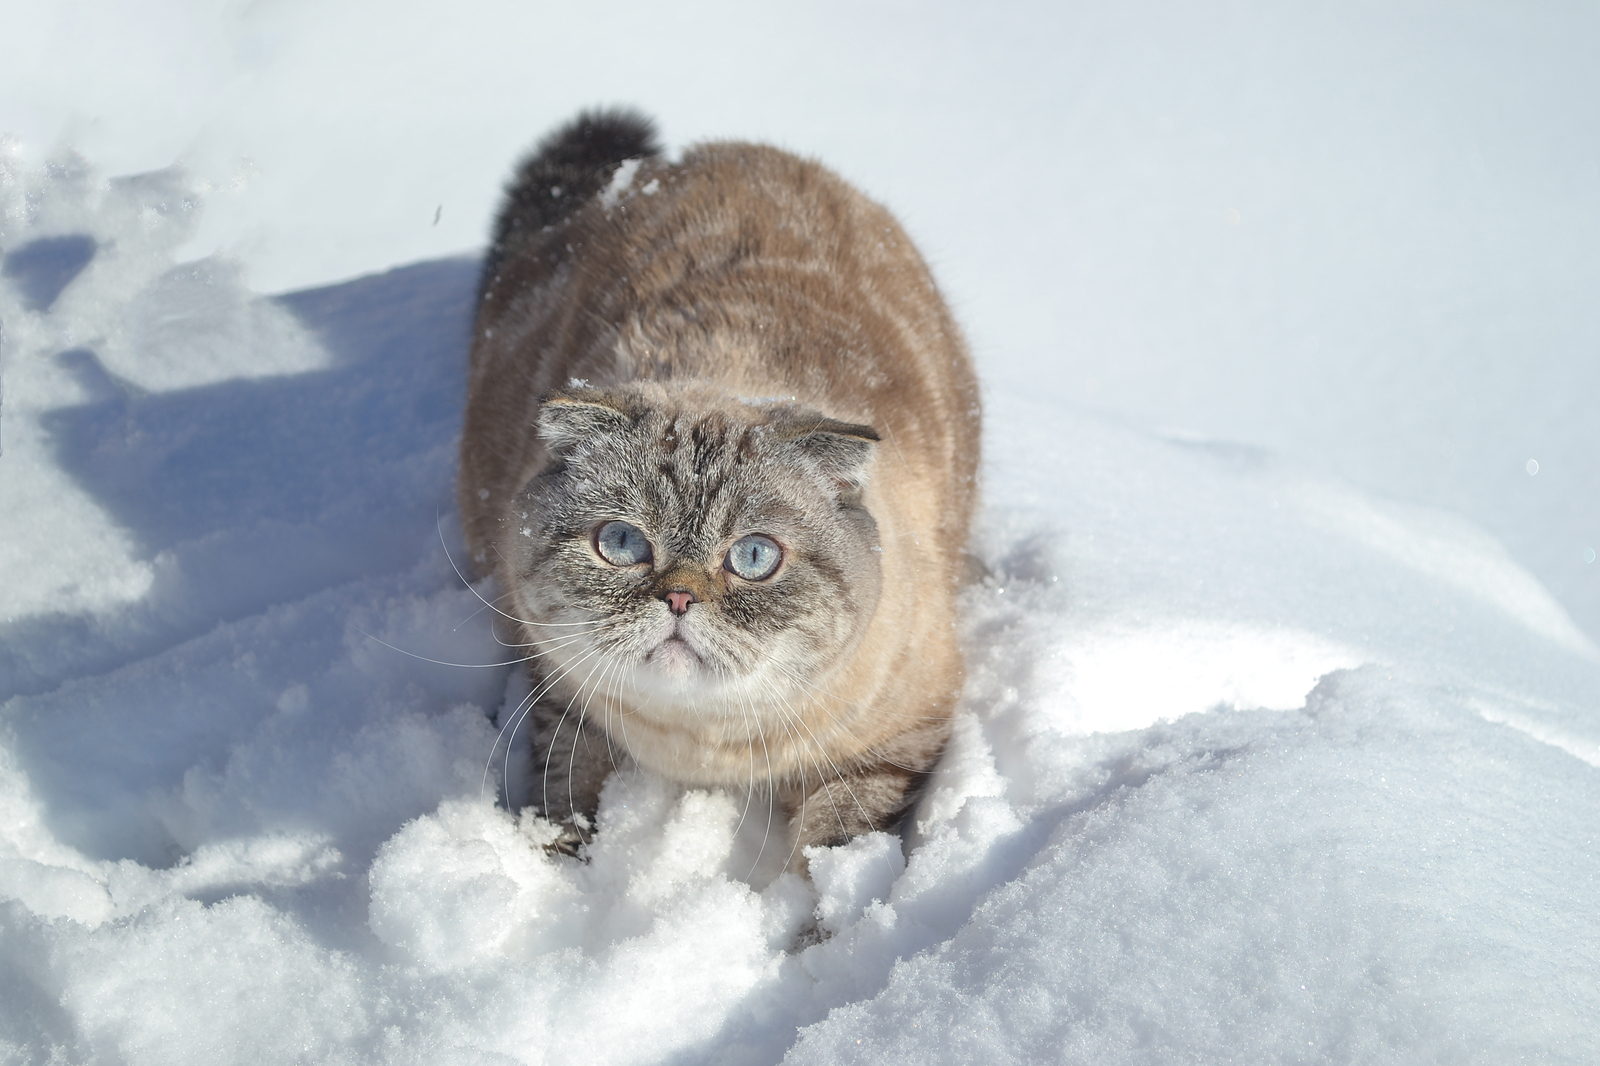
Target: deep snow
{"type": "Point", "coordinates": [1254, 763]}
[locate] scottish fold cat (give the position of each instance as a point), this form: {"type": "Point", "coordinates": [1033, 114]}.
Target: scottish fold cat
{"type": "Point", "coordinates": [720, 449]}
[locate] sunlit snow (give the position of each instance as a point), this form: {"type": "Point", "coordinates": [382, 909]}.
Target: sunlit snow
{"type": "Point", "coordinates": [1281, 734]}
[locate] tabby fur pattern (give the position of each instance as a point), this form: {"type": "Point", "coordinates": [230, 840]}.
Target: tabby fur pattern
{"type": "Point", "coordinates": [735, 345]}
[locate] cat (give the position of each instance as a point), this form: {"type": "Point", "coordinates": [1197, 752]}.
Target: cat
{"type": "Point", "coordinates": [720, 452]}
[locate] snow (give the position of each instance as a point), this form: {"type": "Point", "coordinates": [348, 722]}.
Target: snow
{"type": "Point", "coordinates": [621, 181]}
{"type": "Point", "coordinates": [1281, 735]}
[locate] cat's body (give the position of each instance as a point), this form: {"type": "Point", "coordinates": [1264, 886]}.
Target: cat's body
{"type": "Point", "coordinates": [720, 446]}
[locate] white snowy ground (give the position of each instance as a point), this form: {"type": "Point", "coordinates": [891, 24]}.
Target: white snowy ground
{"type": "Point", "coordinates": [1267, 754]}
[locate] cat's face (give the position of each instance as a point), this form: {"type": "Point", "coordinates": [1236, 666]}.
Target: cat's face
{"type": "Point", "coordinates": [687, 553]}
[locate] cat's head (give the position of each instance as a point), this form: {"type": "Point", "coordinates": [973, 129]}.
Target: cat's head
{"type": "Point", "coordinates": [684, 549]}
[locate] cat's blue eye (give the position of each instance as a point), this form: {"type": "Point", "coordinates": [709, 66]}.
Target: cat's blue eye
{"type": "Point", "coordinates": [622, 544]}
{"type": "Point", "coordinates": [753, 558]}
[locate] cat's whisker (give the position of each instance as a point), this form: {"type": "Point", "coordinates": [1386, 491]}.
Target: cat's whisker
{"type": "Point", "coordinates": [509, 731]}
{"type": "Point", "coordinates": [622, 717]}
{"type": "Point", "coordinates": [744, 711]}
{"type": "Point", "coordinates": [470, 617]}
{"type": "Point", "coordinates": [744, 811]}
{"type": "Point", "coordinates": [799, 819]}
{"type": "Point", "coordinates": [577, 733]}
{"type": "Point", "coordinates": [845, 781]}
{"type": "Point", "coordinates": [555, 734]}
{"type": "Point", "coordinates": [556, 644]}
{"type": "Point", "coordinates": [822, 782]}
{"type": "Point", "coordinates": [839, 775]}
{"type": "Point", "coordinates": [555, 678]}
{"type": "Point", "coordinates": [615, 708]}
{"type": "Point", "coordinates": [532, 702]}
{"type": "Point", "coordinates": [439, 662]}
{"type": "Point", "coordinates": [854, 705]}
{"type": "Point", "coordinates": [485, 605]}
{"type": "Point", "coordinates": [568, 637]}
{"type": "Point", "coordinates": [523, 710]}
{"type": "Point", "coordinates": [770, 790]}
{"type": "Point", "coordinates": [494, 630]}
{"type": "Point", "coordinates": [471, 588]}
{"type": "Point", "coordinates": [606, 690]}
{"type": "Point", "coordinates": [936, 768]}
{"type": "Point", "coordinates": [583, 713]}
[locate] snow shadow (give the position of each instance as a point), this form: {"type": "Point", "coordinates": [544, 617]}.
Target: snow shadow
{"type": "Point", "coordinates": [252, 491]}
{"type": "Point", "coordinates": [40, 269]}
{"type": "Point", "coordinates": [179, 466]}
{"type": "Point", "coordinates": [243, 495]}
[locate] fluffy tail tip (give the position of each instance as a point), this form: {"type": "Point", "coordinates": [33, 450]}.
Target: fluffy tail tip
{"type": "Point", "coordinates": [597, 138]}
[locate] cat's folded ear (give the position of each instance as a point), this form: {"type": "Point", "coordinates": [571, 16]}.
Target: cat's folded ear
{"type": "Point", "coordinates": [569, 417]}
{"type": "Point", "coordinates": [842, 450]}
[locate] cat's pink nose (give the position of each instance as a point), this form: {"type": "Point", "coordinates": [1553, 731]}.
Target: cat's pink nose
{"type": "Point", "coordinates": [678, 602]}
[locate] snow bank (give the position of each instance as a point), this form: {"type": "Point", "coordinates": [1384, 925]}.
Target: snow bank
{"type": "Point", "coordinates": [1331, 884]}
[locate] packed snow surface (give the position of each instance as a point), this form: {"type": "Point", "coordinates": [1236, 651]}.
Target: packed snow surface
{"type": "Point", "coordinates": [1254, 763]}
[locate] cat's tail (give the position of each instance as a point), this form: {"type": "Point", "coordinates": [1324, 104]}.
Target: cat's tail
{"type": "Point", "coordinates": [565, 170]}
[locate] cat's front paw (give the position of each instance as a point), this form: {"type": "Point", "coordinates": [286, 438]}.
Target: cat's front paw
{"type": "Point", "coordinates": [808, 935]}
{"type": "Point", "coordinates": [569, 842]}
